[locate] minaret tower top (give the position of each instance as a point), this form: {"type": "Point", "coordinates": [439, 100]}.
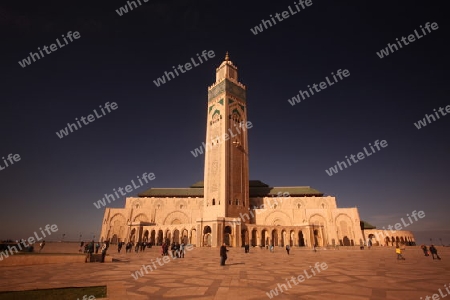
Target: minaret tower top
{"type": "Point", "coordinates": [227, 70]}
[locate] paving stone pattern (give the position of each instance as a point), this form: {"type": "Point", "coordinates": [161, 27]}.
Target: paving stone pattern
{"type": "Point", "coordinates": [351, 274]}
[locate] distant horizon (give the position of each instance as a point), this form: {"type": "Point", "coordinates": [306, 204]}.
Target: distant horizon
{"type": "Point", "coordinates": [425, 240]}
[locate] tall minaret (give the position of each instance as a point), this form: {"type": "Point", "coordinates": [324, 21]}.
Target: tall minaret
{"type": "Point", "coordinates": [226, 158]}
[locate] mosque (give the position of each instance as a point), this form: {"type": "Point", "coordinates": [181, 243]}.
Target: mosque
{"type": "Point", "coordinates": [229, 208]}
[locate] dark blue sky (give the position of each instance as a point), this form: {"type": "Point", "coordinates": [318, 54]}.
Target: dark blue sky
{"type": "Point", "coordinates": [154, 128]}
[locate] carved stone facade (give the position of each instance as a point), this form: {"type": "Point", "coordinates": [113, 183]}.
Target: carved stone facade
{"type": "Point", "coordinates": [226, 207]}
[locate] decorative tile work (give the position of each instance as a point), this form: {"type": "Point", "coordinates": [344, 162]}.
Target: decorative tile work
{"type": "Point", "coordinates": [228, 86]}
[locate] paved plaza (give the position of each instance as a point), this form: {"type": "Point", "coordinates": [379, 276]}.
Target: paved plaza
{"type": "Point", "coordinates": [350, 274]}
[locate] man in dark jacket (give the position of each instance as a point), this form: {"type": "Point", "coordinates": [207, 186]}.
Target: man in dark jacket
{"type": "Point", "coordinates": [90, 251]}
{"type": "Point", "coordinates": [433, 251]}
{"type": "Point", "coordinates": [223, 254]}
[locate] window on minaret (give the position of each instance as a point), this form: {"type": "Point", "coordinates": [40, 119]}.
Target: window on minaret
{"type": "Point", "coordinates": [299, 205]}
{"type": "Point", "coordinates": [229, 202]}
{"type": "Point", "coordinates": [237, 202]}
{"type": "Point", "coordinates": [214, 201]}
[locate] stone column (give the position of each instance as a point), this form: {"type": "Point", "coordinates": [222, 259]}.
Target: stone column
{"type": "Point", "coordinates": [238, 233]}
{"type": "Point", "coordinates": [141, 230]}
{"type": "Point", "coordinates": [216, 235]}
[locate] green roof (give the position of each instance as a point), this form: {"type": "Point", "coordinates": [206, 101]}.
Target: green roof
{"type": "Point", "coordinates": [257, 189]}
{"type": "Point", "coordinates": [366, 225]}
{"type": "Point", "coordinates": [172, 192]}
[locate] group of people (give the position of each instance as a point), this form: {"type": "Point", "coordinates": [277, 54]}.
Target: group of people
{"type": "Point", "coordinates": [177, 249]}
{"type": "Point", "coordinates": [425, 250]}
{"type": "Point", "coordinates": [432, 250]}
{"type": "Point", "coordinates": [89, 249]}
{"type": "Point", "coordinates": [139, 246]}
{"type": "Point", "coordinates": [271, 248]}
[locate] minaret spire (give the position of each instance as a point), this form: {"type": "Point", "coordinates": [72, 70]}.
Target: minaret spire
{"type": "Point", "coordinates": [227, 70]}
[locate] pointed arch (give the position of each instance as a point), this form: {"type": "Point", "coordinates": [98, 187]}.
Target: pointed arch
{"type": "Point", "coordinates": [176, 216]}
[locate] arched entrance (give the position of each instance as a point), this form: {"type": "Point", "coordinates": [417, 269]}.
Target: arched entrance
{"type": "Point", "coordinates": [264, 238]}
{"type": "Point", "coordinates": [372, 240]}
{"type": "Point", "coordinates": [168, 237]}
{"type": "Point", "coordinates": [193, 237]}
{"type": "Point", "coordinates": [114, 239]}
{"type": "Point", "coordinates": [301, 239]}
{"type": "Point", "coordinates": [283, 238]}
{"type": "Point", "coordinates": [145, 238]}
{"type": "Point", "coordinates": [152, 237]}
{"type": "Point", "coordinates": [244, 237]}
{"type": "Point", "coordinates": [159, 240]}
{"type": "Point", "coordinates": [207, 236]}
{"type": "Point", "coordinates": [176, 236]}
{"type": "Point", "coordinates": [227, 236]}
{"type": "Point", "coordinates": [133, 236]}
{"type": "Point", "coordinates": [254, 238]}
{"type": "Point", "coordinates": [274, 240]}
{"type": "Point", "coordinates": [386, 241]}
{"type": "Point", "coordinates": [184, 236]}
{"type": "Point", "coordinates": [318, 238]}
{"type": "Point", "coordinates": [345, 241]}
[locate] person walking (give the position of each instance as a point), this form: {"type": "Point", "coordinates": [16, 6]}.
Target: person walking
{"type": "Point", "coordinates": [41, 245]}
{"type": "Point", "coordinates": [399, 253]}
{"type": "Point", "coordinates": [90, 251]}
{"type": "Point", "coordinates": [182, 250]}
{"type": "Point", "coordinates": [163, 246]}
{"type": "Point", "coordinates": [173, 249]}
{"type": "Point", "coordinates": [136, 247]}
{"type": "Point", "coordinates": [434, 252]}
{"type": "Point", "coordinates": [223, 254]}
{"type": "Point", "coordinates": [166, 249]}
{"type": "Point", "coordinates": [97, 247]}
{"type": "Point", "coordinates": [288, 248]}
{"type": "Point", "coordinates": [104, 249]}
{"type": "Point", "coordinates": [425, 250]}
